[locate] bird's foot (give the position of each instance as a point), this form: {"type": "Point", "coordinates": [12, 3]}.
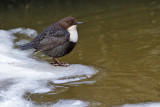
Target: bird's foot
{"type": "Point", "coordinates": [58, 63]}
{"type": "Point", "coordinates": [62, 64]}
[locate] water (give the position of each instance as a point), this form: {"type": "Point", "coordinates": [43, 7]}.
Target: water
{"type": "Point", "coordinates": [120, 40]}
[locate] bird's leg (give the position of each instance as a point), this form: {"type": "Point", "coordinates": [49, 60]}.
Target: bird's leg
{"type": "Point", "coordinates": [58, 63]}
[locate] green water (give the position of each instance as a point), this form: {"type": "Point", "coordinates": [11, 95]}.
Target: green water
{"type": "Point", "coordinates": [120, 38]}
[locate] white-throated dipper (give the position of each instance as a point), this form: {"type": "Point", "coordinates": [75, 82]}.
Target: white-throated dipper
{"type": "Point", "coordinates": [56, 40]}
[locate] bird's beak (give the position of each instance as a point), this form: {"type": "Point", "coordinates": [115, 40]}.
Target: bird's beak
{"type": "Point", "coordinates": [80, 23]}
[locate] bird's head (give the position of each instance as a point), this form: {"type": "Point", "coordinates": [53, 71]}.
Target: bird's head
{"type": "Point", "coordinates": [68, 22]}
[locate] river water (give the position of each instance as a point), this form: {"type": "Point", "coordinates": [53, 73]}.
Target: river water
{"type": "Point", "coordinates": [115, 62]}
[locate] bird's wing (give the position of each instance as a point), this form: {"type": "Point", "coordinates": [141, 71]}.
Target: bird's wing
{"type": "Point", "coordinates": [53, 39]}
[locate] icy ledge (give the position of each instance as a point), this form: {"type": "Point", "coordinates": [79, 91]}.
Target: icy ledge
{"type": "Point", "coordinates": [20, 74]}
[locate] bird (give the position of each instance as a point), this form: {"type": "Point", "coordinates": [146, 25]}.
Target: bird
{"type": "Point", "coordinates": [56, 40]}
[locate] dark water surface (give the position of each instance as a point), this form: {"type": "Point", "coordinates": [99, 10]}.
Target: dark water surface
{"type": "Point", "coordinates": [120, 38]}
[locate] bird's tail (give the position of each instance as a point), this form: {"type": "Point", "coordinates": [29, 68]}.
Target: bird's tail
{"type": "Point", "coordinates": [27, 46]}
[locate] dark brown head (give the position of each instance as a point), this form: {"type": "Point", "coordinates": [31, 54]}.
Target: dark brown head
{"type": "Point", "coordinates": [68, 22]}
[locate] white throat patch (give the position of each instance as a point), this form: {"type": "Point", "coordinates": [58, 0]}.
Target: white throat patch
{"type": "Point", "coordinates": [73, 33]}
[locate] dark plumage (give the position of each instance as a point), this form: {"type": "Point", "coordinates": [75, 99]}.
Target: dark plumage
{"type": "Point", "coordinates": [56, 40]}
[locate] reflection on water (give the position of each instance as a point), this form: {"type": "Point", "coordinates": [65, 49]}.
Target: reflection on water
{"type": "Point", "coordinates": [120, 38]}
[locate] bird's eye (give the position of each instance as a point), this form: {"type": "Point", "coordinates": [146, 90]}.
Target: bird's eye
{"type": "Point", "coordinates": [70, 23]}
